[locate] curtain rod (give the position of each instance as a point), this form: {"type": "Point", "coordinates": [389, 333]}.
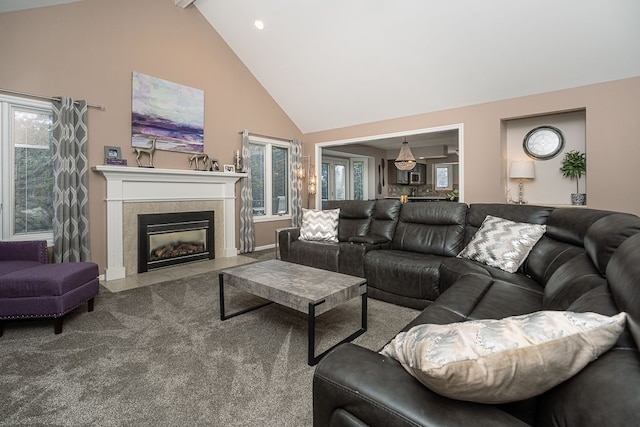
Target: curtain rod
{"type": "Point", "coordinates": [46, 98]}
{"type": "Point", "coordinates": [267, 136]}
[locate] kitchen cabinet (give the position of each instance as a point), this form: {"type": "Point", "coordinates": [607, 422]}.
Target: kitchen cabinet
{"type": "Point", "coordinates": [397, 176]}
{"type": "Point", "coordinates": [416, 176]}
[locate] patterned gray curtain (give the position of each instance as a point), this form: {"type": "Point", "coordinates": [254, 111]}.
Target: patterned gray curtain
{"type": "Point", "coordinates": [296, 192]}
{"type": "Point", "coordinates": [247, 232]}
{"type": "Point", "coordinates": [70, 189]}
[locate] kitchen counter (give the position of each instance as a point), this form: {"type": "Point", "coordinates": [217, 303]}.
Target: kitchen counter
{"type": "Point", "coordinates": [422, 198]}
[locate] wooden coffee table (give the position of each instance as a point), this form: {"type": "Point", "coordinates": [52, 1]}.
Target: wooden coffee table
{"type": "Point", "coordinates": [305, 289]}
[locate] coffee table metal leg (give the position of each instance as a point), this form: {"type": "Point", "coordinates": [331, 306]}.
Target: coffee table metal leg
{"type": "Point", "coordinates": [224, 316]}
{"type": "Point", "coordinates": [312, 359]}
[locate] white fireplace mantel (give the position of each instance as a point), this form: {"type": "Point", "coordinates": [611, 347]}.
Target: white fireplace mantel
{"type": "Point", "coordinates": [130, 184]}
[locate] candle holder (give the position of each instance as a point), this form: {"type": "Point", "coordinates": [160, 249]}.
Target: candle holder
{"type": "Point", "coordinates": [237, 162]}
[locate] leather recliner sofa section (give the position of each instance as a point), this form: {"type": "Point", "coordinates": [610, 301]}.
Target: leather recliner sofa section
{"type": "Point", "coordinates": [587, 261]}
{"type": "Point", "coordinates": [363, 226]}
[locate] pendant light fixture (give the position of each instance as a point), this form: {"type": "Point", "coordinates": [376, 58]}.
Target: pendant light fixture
{"type": "Point", "coordinates": [405, 160]}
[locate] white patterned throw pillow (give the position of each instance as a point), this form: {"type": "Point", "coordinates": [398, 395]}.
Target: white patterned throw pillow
{"type": "Point", "coordinates": [320, 226]}
{"type": "Point", "coordinates": [499, 361]}
{"type": "Point", "coordinates": [503, 243]}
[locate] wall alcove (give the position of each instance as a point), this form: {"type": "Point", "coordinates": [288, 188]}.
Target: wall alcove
{"type": "Point", "coordinates": [548, 187]}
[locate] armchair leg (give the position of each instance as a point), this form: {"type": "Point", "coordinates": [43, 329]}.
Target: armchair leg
{"type": "Point", "coordinates": [57, 325]}
{"type": "Point", "coordinates": [90, 304]}
{"type": "Point", "coordinates": [1, 327]}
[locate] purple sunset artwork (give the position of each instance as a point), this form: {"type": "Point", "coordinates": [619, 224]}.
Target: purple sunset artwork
{"type": "Point", "coordinates": [168, 112]}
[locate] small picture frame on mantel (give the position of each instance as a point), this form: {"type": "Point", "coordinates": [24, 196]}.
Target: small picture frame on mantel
{"type": "Point", "coordinates": [112, 152]}
{"type": "Point", "coordinates": [113, 156]}
{"type": "Point", "coordinates": [229, 168]}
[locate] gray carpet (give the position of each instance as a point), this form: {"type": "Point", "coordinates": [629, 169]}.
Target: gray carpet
{"type": "Point", "coordinates": [160, 356]}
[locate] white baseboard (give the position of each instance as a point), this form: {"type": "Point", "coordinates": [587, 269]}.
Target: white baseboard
{"type": "Point", "coordinates": [265, 247]}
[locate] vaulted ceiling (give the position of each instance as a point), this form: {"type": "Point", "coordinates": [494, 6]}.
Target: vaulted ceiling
{"type": "Point", "coordinates": [336, 63]}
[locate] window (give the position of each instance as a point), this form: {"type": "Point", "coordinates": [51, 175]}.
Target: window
{"type": "Point", "coordinates": [27, 169]}
{"type": "Point", "coordinates": [335, 179]}
{"type": "Point", "coordinates": [344, 178]}
{"type": "Point", "coordinates": [443, 176]}
{"type": "Point", "coordinates": [359, 178]}
{"type": "Point", "coordinates": [270, 178]}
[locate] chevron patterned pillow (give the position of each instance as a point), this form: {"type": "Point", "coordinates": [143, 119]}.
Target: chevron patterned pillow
{"type": "Point", "coordinates": [320, 226]}
{"type": "Point", "coordinates": [503, 243]}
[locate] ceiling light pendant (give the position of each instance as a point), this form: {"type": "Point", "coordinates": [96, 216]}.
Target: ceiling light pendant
{"type": "Point", "coordinates": [405, 160]}
{"type": "Point", "coordinates": [259, 24]}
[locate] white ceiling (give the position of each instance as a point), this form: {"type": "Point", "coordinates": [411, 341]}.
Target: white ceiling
{"type": "Point", "coordinates": [336, 63]}
{"type": "Point", "coordinates": [13, 5]}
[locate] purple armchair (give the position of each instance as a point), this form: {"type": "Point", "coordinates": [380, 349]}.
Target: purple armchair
{"type": "Point", "coordinates": [31, 288]}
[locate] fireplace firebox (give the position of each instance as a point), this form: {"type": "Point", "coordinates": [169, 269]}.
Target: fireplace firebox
{"type": "Point", "coordinates": [167, 239]}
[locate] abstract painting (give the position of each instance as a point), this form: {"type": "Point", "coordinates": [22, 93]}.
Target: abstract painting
{"type": "Point", "coordinates": [168, 113]}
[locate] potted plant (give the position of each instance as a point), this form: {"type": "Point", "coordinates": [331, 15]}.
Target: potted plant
{"type": "Point", "coordinates": [574, 165]}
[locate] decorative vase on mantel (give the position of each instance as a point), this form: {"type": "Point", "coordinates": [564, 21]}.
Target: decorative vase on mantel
{"type": "Point", "coordinates": [578, 199]}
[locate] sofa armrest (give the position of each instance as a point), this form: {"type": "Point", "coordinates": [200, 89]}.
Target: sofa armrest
{"type": "Point", "coordinates": [285, 237]}
{"type": "Point", "coordinates": [35, 250]}
{"type": "Point", "coordinates": [355, 382]}
{"type": "Point", "coordinates": [372, 239]}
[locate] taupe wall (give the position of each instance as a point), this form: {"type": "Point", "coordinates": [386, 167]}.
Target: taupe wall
{"type": "Point", "coordinates": [89, 49]}
{"type": "Point", "coordinates": [111, 38]}
{"type": "Point", "coordinates": [612, 139]}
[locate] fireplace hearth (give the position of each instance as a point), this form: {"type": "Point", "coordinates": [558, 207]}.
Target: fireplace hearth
{"type": "Point", "coordinates": [167, 239]}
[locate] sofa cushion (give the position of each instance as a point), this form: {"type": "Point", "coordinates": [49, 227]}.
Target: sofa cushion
{"type": "Point", "coordinates": [613, 378]}
{"type": "Point", "coordinates": [498, 361]}
{"type": "Point", "coordinates": [477, 297]}
{"type": "Point", "coordinates": [319, 225]}
{"type": "Point", "coordinates": [385, 218]}
{"type": "Point", "coordinates": [531, 214]}
{"type": "Point", "coordinates": [435, 228]}
{"type": "Point", "coordinates": [323, 255]}
{"type": "Point", "coordinates": [503, 243]}
{"type": "Point", "coordinates": [47, 279]}
{"type": "Point", "coordinates": [355, 217]}
{"type": "Point", "coordinates": [606, 234]}
{"type": "Point", "coordinates": [7, 267]}
{"type": "Point", "coordinates": [409, 274]}
{"type": "Point", "coordinates": [570, 225]}
{"type": "Point", "coordinates": [572, 279]}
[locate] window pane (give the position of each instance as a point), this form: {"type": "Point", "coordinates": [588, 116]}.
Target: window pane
{"type": "Point", "coordinates": [358, 180]}
{"type": "Point", "coordinates": [325, 183]}
{"type": "Point", "coordinates": [340, 175]}
{"type": "Point", "coordinates": [33, 171]}
{"type": "Point", "coordinates": [442, 177]}
{"type": "Point", "coordinates": [257, 178]}
{"type": "Point", "coordinates": [279, 180]}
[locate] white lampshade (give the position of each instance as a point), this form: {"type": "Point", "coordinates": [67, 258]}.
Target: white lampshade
{"type": "Point", "coordinates": [522, 169]}
{"type": "Point", "coordinates": [405, 160]}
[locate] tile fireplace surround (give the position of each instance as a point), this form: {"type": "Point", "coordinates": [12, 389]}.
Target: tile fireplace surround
{"type": "Point", "coordinates": [132, 191]}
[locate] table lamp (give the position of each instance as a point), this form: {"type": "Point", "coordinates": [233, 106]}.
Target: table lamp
{"type": "Point", "coordinates": [522, 169]}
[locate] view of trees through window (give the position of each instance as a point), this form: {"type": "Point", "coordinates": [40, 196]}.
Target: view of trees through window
{"type": "Point", "coordinates": [279, 180]}
{"type": "Point", "coordinates": [257, 178]}
{"type": "Point", "coordinates": [272, 181]}
{"type": "Point", "coordinates": [33, 171]}
{"type": "Point", "coordinates": [358, 180]}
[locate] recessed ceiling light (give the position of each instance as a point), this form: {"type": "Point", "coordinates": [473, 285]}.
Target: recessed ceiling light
{"type": "Point", "coordinates": [259, 24]}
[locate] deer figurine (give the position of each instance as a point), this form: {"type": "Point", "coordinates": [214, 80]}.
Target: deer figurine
{"type": "Point", "coordinates": [147, 151]}
{"type": "Point", "coordinates": [196, 158]}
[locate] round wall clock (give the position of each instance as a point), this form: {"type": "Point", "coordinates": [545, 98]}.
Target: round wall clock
{"type": "Point", "coordinates": [543, 143]}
